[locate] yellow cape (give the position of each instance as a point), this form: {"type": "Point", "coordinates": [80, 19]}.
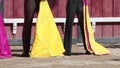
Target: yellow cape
{"type": "Point", "coordinates": [47, 42]}
{"type": "Point", "coordinates": [91, 44]}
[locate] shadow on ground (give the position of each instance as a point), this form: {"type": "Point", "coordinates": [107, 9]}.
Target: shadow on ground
{"type": "Point", "coordinates": [115, 59]}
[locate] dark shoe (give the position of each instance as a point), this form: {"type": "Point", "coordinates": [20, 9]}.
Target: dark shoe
{"type": "Point", "coordinates": [67, 53]}
{"type": "Point", "coordinates": [25, 55]}
{"type": "Point", "coordinates": [26, 49]}
{"type": "Point", "coordinates": [88, 53]}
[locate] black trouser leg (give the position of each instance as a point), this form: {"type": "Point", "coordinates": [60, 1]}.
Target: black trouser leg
{"type": "Point", "coordinates": [80, 22]}
{"type": "Point", "coordinates": [71, 10]}
{"type": "Point", "coordinates": [29, 10]}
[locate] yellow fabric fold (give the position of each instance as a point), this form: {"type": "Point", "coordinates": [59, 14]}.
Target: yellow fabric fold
{"type": "Point", "coordinates": [47, 42]}
{"type": "Point", "coordinates": [92, 45]}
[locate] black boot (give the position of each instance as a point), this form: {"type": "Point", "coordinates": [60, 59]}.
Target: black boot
{"type": "Point", "coordinates": [88, 53]}
{"type": "Point", "coordinates": [67, 53]}
{"type": "Point", "coordinates": [26, 50]}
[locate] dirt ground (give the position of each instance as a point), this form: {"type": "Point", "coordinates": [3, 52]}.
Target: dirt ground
{"type": "Point", "coordinates": [78, 59]}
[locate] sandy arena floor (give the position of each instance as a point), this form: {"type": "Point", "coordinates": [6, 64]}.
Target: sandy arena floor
{"type": "Point", "coordinates": [78, 59]}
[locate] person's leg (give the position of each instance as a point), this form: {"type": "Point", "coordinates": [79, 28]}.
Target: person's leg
{"type": "Point", "coordinates": [29, 10]}
{"type": "Point", "coordinates": [70, 11]}
{"type": "Point", "coordinates": [81, 23]}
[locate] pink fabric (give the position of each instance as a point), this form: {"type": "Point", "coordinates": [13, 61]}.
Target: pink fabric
{"type": "Point", "coordinates": [5, 51]}
{"type": "Point", "coordinates": [85, 23]}
{"type": "Point", "coordinates": [85, 2]}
